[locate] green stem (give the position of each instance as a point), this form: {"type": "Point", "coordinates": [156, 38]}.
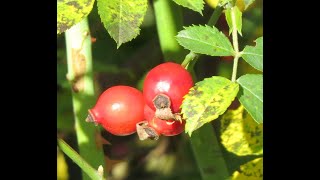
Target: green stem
{"type": "Point", "coordinates": [204, 141]}
{"type": "Point", "coordinates": [169, 21]}
{"type": "Point", "coordinates": [234, 68]}
{"type": "Point", "coordinates": [235, 45]}
{"type": "Point", "coordinates": [215, 16]}
{"type": "Point", "coordinates": [73, 155]}
{"type": "Point", "coordinates": [208, 154]}
{"type": "Point", "coordinates": [189, 57]}
{"type": "Point", "coordinates": [79, 60]}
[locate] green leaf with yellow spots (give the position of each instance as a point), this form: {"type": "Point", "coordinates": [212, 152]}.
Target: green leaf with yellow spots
{"type": "Point", "coordinates": [206, 101]}
{"type": "Point", "coordinates": [122, 18]}
{"type": "Point", "coordinates": [251, 95]}
{"type": "Point", "coordinates": [240, 134]}
{"type": "Point", "coordinates": [253, 170]}
{"type": "Point", "coordinates": [70, 12]}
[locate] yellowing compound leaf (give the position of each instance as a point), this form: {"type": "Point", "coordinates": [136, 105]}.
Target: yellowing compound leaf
{"type": "Point", "coordinates": [253, 170]}
{"type": "Point", "coordinates": [240, 134]}
{"type": "Point", "coordinates": [207, 100]}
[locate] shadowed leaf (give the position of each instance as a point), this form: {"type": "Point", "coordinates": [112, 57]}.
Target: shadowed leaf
{"type": "Point", "coordinates": [251, 95]}
{"type": "Point", "coordinates": [254, 55]}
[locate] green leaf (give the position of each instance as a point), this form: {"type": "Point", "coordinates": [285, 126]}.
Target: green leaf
{"type": "Point", "coordinates": [206, 101]}
{"type": "Point", "coordinates": [122, 18]}
{"type": "Point", "coordinates": [254, 55]}
{"type": "Point", "coordinates": [70, 12]}
{"type": "Point", "coordinates": [240, 134]}
{"type": "Point", "coordinates": [205, 40]}
{"type": "Point", "coordinates": [252, 170]}
{"type": "Point", "coordinates": [247, 3]}
{"type": "Point", "coordinates": [238, 19]}
{"type": "Point", "coordinates": [251, 95]}
{"type": "Point", "coordinates": [62, 166]}
{"type": "Point", "coordinates": [196, 5]}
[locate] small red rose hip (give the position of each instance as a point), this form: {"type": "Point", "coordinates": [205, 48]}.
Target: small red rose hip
{"type": "Point", "coordinates": [170, 79]}
{"type": "Point", "coordinates": [118, 110]}
{"type": "Point", "coordinates": [163, 127]}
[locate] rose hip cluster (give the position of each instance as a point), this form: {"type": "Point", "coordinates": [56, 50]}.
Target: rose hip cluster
{"type": "Point", "coordinates": [124, 110]}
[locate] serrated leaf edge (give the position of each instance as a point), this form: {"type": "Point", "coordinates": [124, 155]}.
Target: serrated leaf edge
{"type": "Point", "coordinates": [191, 8]}
{"type": "Point", "coordinates": [117, 41]}
{"type": "Point", "coordinates": [185, 28]}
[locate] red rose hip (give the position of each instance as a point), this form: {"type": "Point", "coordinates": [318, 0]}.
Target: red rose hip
{"type": "Point", "coordinates": [170, 79]}
{"type": "Point", "coordinates": [118, 110]}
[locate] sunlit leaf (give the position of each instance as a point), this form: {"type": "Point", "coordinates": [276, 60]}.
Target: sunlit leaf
{"type": "Point", "coordinates": [207, 100]}
{"type": "Point", "coordinates": [205, 40]}
{"type": "Point", "coordinates": [238, 19]}
{"type": "Point", "coordinates": [122, 18]}
{"type": "Point", "coordinates": [70, 12]}
{"type": "Point", "coordinates": [240, 134]}
{"type": "Point", "coordinates": [252, 170]}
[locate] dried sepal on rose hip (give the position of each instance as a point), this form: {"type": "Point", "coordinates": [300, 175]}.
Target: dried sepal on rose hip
{"type": "Point", "coordinates": [144, 131]}
{"type": "Point", "coordinates": [118, 110]}
{"type": "Point", "coordinates": [153, 127]}
{"type": "Point", "coordinates": [163, 111]}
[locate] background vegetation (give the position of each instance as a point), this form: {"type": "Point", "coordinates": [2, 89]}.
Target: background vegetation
{"type": "Point", "coordinates": [169, 157]}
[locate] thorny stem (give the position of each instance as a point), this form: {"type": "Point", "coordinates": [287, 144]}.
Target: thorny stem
{"type": "Point", "coordinates": [80, 76]}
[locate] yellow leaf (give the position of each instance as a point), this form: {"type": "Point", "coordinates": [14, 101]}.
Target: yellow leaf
{"type": "Point", "coordinates": [62, 167]}
{"type": "Point", "coordinates": [212, 3]}
{"type": "Point", "coordinates": [253, 170]}
{"type": "Point", "coordinates": [240, 134]}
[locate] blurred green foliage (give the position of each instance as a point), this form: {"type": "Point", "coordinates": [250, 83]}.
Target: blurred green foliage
{"type": "Point", "coordinates": [127, 157]}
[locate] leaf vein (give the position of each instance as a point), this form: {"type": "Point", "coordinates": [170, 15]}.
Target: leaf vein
{"type": "Point", "coordinates": [207, 43]}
